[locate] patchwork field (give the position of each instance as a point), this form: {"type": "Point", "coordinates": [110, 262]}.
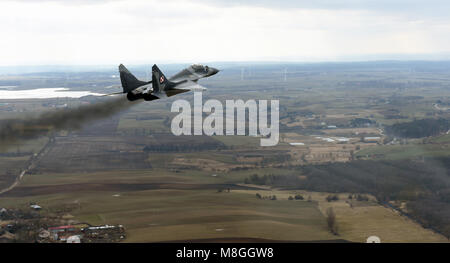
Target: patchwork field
{"type": "Point", "coordinates": [129, 169]}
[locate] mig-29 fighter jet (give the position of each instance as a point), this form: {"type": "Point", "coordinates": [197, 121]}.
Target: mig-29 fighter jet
{"type": "Point", "coordinates": [160, 86]}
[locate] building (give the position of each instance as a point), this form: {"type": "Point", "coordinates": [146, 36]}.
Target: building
{"type": "Point", "coordinates": [35, 207]}
{"type": "Point", "coordinates": [296, 143]}
{"type": "Point", "coordinates": [44, 233]}
{"type": "Point", "coordinates": [372, 139]}
{"type": "Point", "coordinates": [73, 239]}
{"type": "Point", "coordinates": [61, 232]}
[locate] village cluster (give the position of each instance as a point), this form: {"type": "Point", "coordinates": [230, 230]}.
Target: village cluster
{"type": "Point", "coordinates": [31, 226]}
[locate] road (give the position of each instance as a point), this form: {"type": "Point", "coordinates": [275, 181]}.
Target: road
{"type": "Point", "coordinates": [16, 182]}
{"type": "Point", "coordinates": [30, 164]}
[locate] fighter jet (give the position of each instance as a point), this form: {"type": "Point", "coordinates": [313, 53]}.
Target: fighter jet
{"type": "Point", "coordinates": [161, 87]}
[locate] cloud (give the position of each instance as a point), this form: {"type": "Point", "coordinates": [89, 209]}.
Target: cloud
{"type": "Point", "coordinates": [67, 2]}
{"type": "Point", "coordinates": [403, 6]}
{"type": "Point", "coordinates": [138, 31]}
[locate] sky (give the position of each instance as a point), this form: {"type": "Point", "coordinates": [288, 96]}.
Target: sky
{"type": "Point", "coordinates": [103, 32]}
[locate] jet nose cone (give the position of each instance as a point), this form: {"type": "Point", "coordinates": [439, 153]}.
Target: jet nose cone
{"type": "Point", "coordinates": [214, 71]}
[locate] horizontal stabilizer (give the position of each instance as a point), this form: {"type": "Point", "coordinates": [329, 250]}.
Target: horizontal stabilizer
{"type": "Point", "coordinates": [129, 81]}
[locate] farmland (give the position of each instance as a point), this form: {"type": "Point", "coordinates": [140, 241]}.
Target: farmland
{"type": "Point", "coordinates": [130, 169]}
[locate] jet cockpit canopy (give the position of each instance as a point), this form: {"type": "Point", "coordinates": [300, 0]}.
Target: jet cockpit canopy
{"type": "Point", "coordinates": [199, 68]}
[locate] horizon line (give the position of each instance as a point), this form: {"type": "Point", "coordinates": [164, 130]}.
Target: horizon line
{"type": "Point", "coordinates": [229, 62]}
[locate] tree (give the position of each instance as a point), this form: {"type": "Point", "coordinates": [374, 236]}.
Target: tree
{"type": "Point", "coordinates": [299, 197]}
{"type": "Point", "coordinates": [331, 221]}
{"type": "Point", "coordinates": [360, 197]}
{"type": "Point", "coordinates": [332, 198]}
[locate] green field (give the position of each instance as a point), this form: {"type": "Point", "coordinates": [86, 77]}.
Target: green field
{"type": "Point", "coordinates": [397, 152]}
{"type": "Point", "coordinates": [442, 139]}
{"type": "Point", "coordinates": [163, 215]}
{"type": "Point", "coordinates": [143, 127]}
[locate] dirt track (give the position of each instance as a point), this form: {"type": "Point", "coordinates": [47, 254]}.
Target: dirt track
{"type": "Point", "coordinates": [16, 182]}
{"type": "Point", "coordinates": [30, 165]}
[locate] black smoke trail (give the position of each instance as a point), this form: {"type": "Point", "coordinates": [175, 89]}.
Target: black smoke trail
{"type": "Point", "coordinates": [14, 131]}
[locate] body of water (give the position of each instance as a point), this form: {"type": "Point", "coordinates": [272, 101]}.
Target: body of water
{"type": "Point", "coordinates": [46, 93]}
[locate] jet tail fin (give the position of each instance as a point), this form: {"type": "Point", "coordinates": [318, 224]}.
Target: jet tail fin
{"type": "Point", "coordinates": [129, 81]}
{"type": "Point", "coordinates": [160, 82]}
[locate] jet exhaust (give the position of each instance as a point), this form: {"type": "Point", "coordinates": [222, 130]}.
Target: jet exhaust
{"type": "Point", "coordinates": [17, 130]}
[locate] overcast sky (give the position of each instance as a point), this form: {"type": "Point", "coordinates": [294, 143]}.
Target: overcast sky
{"type": "Point", "coordinates": [145, 31]}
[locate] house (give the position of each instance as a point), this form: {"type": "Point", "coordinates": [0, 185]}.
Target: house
{"type": "Point", "coordinates": [59, 229]}
{"type": "Point", "coordinates": [35, 207]}
{"type": "Point", "coordinates": [44, 233]}
{"type": "Point", "coordinates": [296, 143]}
{"type": "Point", "coordinates": [74, 239]}
{"type": "Point", "coordinates": [61, 232]}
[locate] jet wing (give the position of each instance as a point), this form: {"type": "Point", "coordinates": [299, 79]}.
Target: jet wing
{"type": "Point", "coordinates": [189, 85]}
{"type": "Point", "coordinates": [134, 91]}
{"type": "Point", "coordinates": [112, 94]}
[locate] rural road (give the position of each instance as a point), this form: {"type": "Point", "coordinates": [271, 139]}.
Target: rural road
{"type": "Point", "coordinates": [31, 163]}
{"type": "Point", "coordinates": [16, 182]}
